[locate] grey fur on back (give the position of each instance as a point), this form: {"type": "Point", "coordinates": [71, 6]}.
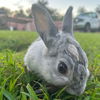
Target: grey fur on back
{"type": "Point", "coordinates": [56, 55]}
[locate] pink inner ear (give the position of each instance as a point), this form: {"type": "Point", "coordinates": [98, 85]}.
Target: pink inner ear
{"type": "Point", "coordinates": [42, 22]}
{"type": "Point", "coordinates": [73, 50]}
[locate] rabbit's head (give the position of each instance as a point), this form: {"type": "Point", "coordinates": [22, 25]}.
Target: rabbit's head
{"type": "Point", "coordinates": [66, 62]}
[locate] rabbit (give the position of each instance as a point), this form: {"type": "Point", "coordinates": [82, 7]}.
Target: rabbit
{"type": "Point", "coordinates": [56, 56]}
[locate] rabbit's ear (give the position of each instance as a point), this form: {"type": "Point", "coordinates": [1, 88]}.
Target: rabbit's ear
{"type": "Point", "coordinates": [44, 24]}
{"type": "Point", "coordinates": [68, 22]}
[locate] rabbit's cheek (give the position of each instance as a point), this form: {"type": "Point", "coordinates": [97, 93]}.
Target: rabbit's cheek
{"type": "Point", "coordinates": [58, 80]}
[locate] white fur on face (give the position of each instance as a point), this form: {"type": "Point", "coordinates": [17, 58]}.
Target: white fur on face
{"type": "Point", "coordinates": [73, 50]}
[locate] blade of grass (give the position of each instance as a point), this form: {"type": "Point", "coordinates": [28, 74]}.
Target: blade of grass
{"type": "Point", "coordinates": [62, 90]}
{"type": "Point", "coordinates": [8, 95]}
{"type": "Point", "coordinates": [31, 92]}
{"type": "Point", "coordinates": [23, 96]}
{"type": "Point", "coordinates": [13, 82]}
{"type": "Point", "coordinates": [27, 94]}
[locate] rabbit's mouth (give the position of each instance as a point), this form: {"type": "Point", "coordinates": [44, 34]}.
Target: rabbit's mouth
{"type": "Point", "coordinates": [76, 90]}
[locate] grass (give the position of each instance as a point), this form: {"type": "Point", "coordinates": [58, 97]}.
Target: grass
{"type": "Point", "coordinates": [18, 84]}
{"type": "Point", "coordinates": [16, 40]}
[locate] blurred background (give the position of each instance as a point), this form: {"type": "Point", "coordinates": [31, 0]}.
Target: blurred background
{"type": "Point", "coordinates": [16, 14]}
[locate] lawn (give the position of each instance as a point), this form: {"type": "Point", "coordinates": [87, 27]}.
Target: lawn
{"type": "Point", "coordinates": [18, 84]}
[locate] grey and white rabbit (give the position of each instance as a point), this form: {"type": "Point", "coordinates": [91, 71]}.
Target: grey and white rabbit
{"type": "Point", "coordinates": [56, 55]}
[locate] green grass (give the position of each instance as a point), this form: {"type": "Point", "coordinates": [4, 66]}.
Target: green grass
{"type": "Point", "coordinates": [18, 84]}
{"type": "Point", "coordinates": [17, 40]}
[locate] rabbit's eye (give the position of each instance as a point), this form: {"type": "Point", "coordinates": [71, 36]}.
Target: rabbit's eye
{"type": "Point", "coordinates": [62, 68]}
